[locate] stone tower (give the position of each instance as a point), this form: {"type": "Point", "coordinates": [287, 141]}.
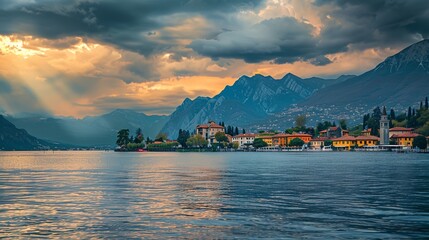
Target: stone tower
{"type": "Point", "coordinates": [384, 128]}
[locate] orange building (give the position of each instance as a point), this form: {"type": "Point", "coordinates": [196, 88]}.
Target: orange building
{"type": "Point", "coordinates": [280, 139]}
{"type": "Point", "coordinates": [303, 136]}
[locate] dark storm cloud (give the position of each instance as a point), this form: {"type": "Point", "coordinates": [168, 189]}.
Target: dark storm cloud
{"type": "Point", "coordinates": [377, 23]}
{"type": "Point", "coordinates": [128, 24]}
{"type": "Point", "coordinates": [281, 39]}
{"type": "Point", "coordinates": [348, 25]}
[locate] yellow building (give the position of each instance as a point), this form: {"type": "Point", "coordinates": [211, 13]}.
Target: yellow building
{"type": "Point", "coordinates": [344, 143]}
{"type": "Point", "coordinates": [404, 139]}
{"type": "Point", "coordinates": [266, 138]}
{"type": "Point", "coordinates": [366, 140]}
{"type": "Point", "coordinates": [399, 130]}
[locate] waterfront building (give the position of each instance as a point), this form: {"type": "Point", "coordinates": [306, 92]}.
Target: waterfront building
{"type": "Point", "coordinates": [344, 143]}
{"type": "Point", "coordinates": [366, 141]}
{"type": "Point", "coordinates": [404, 139]}
{"type": "Point", "coordinates": [209, 130]}
{"type": "Point", "coordinates": [280, 139]}
{"type": "Point", "coordinates": [244, 139]}
{"type": "Point", "coordinates": [266, 138]}
{"type": "Point", "coordinates": [399, 130]}
{"type": "Point", "coordinates": [303, 136]}
{"type": "Point", "coordinates": [318, 143]}
{"type": "Point", "coordinates": [384, 128]}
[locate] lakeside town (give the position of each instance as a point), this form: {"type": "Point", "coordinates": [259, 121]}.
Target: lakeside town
{"type": "Point", "coordinates": [380, 131]}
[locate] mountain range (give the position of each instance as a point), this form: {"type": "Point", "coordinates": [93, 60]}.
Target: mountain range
{"type": "Point", "coordinates": [248, 100]}
{"type": "Point", "coordinates": [259, 102]}
{"type": "Point", "coordinates": [401, 78]}
{"type": "Point", "coordinates": [95, 131]}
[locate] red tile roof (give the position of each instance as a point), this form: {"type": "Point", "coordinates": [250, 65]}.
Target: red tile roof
{"type": "Point", "coordinates": [202, 126]}
{"type": "Point", "coordinates": [344, 138]}
{"type": "Point", "coordinates": [214, 125]}
{"type": "Point", "coordinates": [363, 138]}
{"type": "Point", "coordinates": [405, 135]}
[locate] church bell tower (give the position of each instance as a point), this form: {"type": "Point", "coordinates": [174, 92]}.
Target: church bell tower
{"type": "Point", "coordinates": [384, 128]}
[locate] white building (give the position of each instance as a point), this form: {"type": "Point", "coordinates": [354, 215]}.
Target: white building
{"type": "Point", "coordinates": [243, 139]}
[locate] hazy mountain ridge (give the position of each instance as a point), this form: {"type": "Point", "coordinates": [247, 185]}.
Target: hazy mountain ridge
{"type": "Point", "coordinates": [12, 138]}
{"type": "Point", "coordinates": [91, 131]}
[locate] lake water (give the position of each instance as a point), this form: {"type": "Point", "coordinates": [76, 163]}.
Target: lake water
{"type": "Point", "coordinates": [214, 195]}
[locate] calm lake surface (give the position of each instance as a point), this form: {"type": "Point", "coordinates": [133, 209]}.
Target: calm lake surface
{"type": "Point", "coordinates": [214, 195]}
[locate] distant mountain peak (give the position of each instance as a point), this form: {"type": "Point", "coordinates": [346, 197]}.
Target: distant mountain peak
{"type": "Point", "coordinates": [412, 58]}
{"type": "Point", "coordinates": [290, 75]}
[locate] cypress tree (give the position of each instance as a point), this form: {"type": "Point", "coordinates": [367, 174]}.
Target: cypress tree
{"type": "Point", "coordinates": [244, 131]}
{"type": "Point", "coordinates": [426, 103]}
{"type": "Point", "coordinates": [409, 113]}
{"type": "Point", "coordinates": [421, 105]}
{"type": "Point", "coordinates": [236, 131]}
{"type": "Point", "coordinates": [392, 114]}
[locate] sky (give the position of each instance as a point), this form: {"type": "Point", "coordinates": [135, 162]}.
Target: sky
{"type": "Point", "coordinates": [88, 57]}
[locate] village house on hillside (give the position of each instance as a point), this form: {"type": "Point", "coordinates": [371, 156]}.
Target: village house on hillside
{"type": "Point", "coordinates": [209, 130]}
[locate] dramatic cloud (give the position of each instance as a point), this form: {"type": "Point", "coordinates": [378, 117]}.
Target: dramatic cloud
{"type": "Point", "coordinates": [345, 25]}
{"type": "Point", "coordinates": [88, 56]}
{"type": "Point", "coordinates": [280, 39]}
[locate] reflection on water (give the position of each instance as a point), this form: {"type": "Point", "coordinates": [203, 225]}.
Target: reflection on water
{"type": "Point", "coordinates": [213, 195]}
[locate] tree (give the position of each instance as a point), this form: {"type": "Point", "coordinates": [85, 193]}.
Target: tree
{"type": "Point", "coordinates": [221, 137]}
{"type": "Point", "coordinates": [235, 145]}
{"type": "Point", "coordinates": [392, 114]}
{"type": "Point", "coordinates": [196, 141]}
{"type": "Point", "coordinates": [123, 137]}
{"type": "Point", "coordinates": [409, 113]}
{"type": "Point", "coordinates": [296, 142]}
{"type": "Point", "coordinates": [244, 131]}
{"type": "Point", "coordinates": [300, 121]}
{"type": "Point", "coordinates": [327, 143]}
{"type": "Point", "coordinates": [139, 136]}
{"type": "Point", "coordinates": [420, 142]}
{"type": "Point", "coordinates": [183, 137]}
{"type": "Point", "coordinates": [236, 131]}
{"type": "Point", "coordinates": [161, 137]}
{"type": "Point", "coordinates": [426, 103]}
{"type": "Point", "coordinates": [343, 124]}
{"type": "Point", "coordinates": [258, 143]}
